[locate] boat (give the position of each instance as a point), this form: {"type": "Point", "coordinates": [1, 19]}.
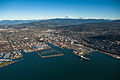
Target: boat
{"type": "Point", "coordinates": [85, 58]}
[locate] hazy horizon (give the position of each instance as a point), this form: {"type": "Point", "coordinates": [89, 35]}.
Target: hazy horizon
{"type": "Point", "coordinates": [46, 9]}
{"type": "Point", "coordinates": [60, 18]}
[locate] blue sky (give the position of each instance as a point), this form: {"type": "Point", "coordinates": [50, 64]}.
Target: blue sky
{"type": "Point", "coordinates": [37, 9]}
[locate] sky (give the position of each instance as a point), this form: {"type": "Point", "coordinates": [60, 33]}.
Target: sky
{"type": "Point", "coordinates": [44, 9]}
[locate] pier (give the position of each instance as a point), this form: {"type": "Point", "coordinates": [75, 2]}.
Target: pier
{"type": "Point", "coordinates": [109, 54]}
{"type": "Point", "coordinates": [81, 55]}
{"type": "Point", "coordinates": [52, 55]}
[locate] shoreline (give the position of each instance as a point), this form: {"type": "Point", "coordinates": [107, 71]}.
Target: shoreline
{"type": "Point", "coordinates": [109, 54]}
{"type": "Point", "coordinates": [12, 62]}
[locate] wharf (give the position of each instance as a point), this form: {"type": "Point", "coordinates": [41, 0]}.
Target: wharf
{"type": "Point", "coordinates": [110, 54]}
{"type": "Point", "coordinates": [59, 54]}
{"type": "Point", "coordinates": [83, 57]}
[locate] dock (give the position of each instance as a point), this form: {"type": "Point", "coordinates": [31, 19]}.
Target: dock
{"type": "Point", "coordinates": [81, 55]}
{"type": "Point", "coordinates": [54, 55]}
{"type": "Point", "coordinates": [110, 54]}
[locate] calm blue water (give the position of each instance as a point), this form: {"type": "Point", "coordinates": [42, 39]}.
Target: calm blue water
{"type": "Point", "coordinates": [67, 67]}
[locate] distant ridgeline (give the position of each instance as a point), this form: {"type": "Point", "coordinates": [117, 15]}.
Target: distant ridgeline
{"type": "Point", "coordinates": [9, 22]}
{"type": "Point", "coordinates": [64, 21]}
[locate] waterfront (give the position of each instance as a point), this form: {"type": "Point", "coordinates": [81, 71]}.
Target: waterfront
{"type": "Point", "coordinates": [66, 67]}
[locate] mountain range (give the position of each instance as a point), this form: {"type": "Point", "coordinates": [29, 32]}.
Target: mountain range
{"type": "Point", "coordinates": [65, 21]}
